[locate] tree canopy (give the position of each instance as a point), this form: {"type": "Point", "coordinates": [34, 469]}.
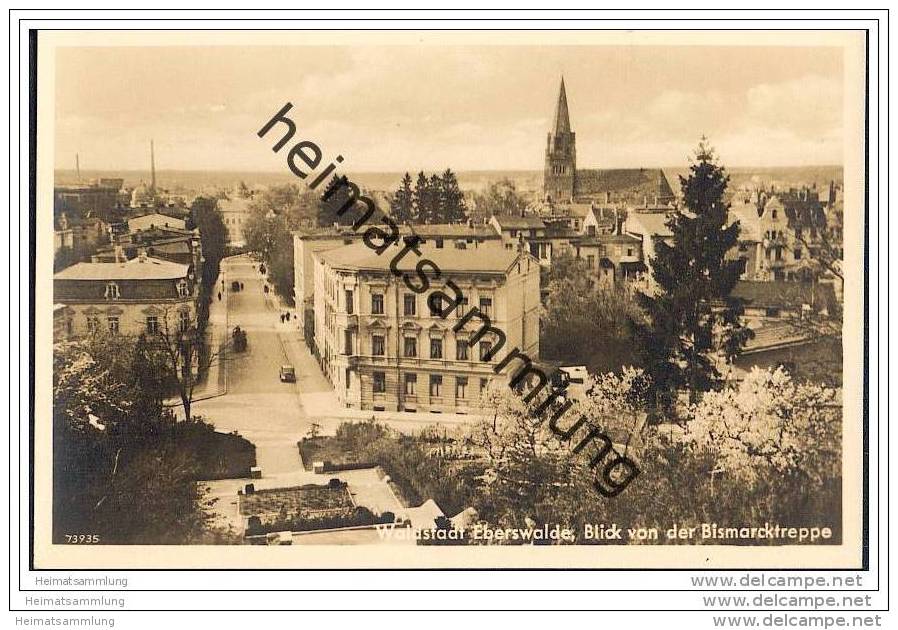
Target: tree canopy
{"type": "Point", "coordinates": [691, 318]}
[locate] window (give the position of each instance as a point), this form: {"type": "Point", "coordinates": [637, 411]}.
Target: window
{"type": "Point", "coordinates": [461, 387]}
{"type": "Point", "coordinates": [411, 384]}
{"type": "Point", "coordinates": [514, 233]}
{"type": "Point", "coordinates": [797, 253]}
{"type": "Point", "coordinates": [591, 261]}
{"type": "Point", "coordinates": [461, 350]}
{"type": "Point", "coordinates": [484, 383]}
{"type": "Point", "coordinates": [629, 251]}
{"type": "Point", "coordinates": [380, 382]}
{"type": "Point", "coordinates": [184, 321]}
{"type": "Point", "coordinates": [410, 347]}
{"type": "Point", "coordinates": [112, 291]}
{"type": "Point", "coordinates": [347, 342]}
{"type": "Point", "coordinates": [485, 350]}
{"type": "Point", "coordinates": [591, 230]}
{"type": "Point", "coordinates": [409, 302]}
{"type": "Point", "coordinates": [152, 324]}
{"type": "Point", "coordinates": [112, 322]}
{"type": "Point", "coordinates": [183, 290]}
{"type": "Point", "coordinates": [439, 243]}
{"type": "Point", "coordinates": [377, 345]}
{"type": "Point", "coordinates": [436, 384]}
{"type": "Point", "coordinates": [350, 307]}
{"type": "Point", "coordinates": [772, 312]}
{"type": "Point", "coordinates": [462, 307]}
{"type": "Point", "coordinates": [436, 348]}
{"type": "Point", "coordinates": [377, 304]}
{"type": "Point", "coordinates": [798, 232]}
{"type": "Point", "coordinates": [774, 213]}
{"type": "Point", "coordinates": [93, 324]}
{"type": "Point", "coordinates": [486, 306]}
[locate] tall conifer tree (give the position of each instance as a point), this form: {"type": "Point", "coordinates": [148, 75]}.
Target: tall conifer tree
{"type": "Point", "coordinates": [692, 315]}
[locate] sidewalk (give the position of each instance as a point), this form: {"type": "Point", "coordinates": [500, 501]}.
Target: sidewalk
{"type": "Point", "coordinates": [317, 396]}
{"type": "Point", "coordinates": [215, 384]}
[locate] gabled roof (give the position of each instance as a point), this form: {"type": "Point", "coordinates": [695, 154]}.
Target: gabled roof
{"type": "Point", "coordinates": [134, 269]}
{"type": "Point", "coordinates": [747, 216]}
{"type": "Point", "coordinates": [648, 224]}
{"type": "Point", "coordinates": [632, 184]}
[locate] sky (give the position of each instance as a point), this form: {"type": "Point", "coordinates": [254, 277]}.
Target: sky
{"type": "Point", "coordinates": [397, 108]}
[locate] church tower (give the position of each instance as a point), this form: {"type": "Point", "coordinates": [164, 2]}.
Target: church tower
{"type": "Point", "coordinates": [561, 155]}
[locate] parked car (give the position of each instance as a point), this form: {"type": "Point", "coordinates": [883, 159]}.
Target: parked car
{"type": "Point", "coordinates": [288, 374]}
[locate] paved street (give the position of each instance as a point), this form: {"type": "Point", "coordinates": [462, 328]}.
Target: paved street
{"type": "Point", "coordinates": [265, 411]}
{"type": "Point", "coordinates": [271, 414]}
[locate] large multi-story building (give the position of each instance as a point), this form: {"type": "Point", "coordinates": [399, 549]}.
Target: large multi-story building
{"type": "Point", "coordinates": [308, 241]}
{"type": "Point", "coordinates": [383, 348]}
{"type": "Point", "coordinates": [143, 295]}
{"type": "Point", "coordinates": [235, 214]}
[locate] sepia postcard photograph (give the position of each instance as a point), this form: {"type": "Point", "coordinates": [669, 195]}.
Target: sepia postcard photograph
{"type": "Point", "coordinates": [450, 299]}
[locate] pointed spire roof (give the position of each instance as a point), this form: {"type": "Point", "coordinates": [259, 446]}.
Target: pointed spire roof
{"type": "Point", "coordinates": [562, 123]}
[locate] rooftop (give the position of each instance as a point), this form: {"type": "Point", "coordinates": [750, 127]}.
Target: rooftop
{"type": "Point", "coordinates": [360, 256]}
{"type": "Point", "coordinates": [776, 335]}
{"type": "Point", "coordinates": [648, 223]}
{"type": "Point", "coordinates": [516, 222]}
{"type": "Point", "coordinates": [818, 295]}
{"type": "Point", "coordinates": [135, 269]}
{"type": "Point", "coordinates": [630, 183]}
{"type": "Point", "coordinates": [426, 230]}
{"type": "Point", "coordinates": [602, 239]}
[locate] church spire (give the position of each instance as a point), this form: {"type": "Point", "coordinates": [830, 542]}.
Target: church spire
{"type": "Point", "coordinates": [562, 122]}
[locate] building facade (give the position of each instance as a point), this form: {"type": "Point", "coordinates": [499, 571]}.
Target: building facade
{"type": "Point", "coordinates": [143, 295]}
{"type": "Point", "coordinates": [383, 348]}
{"type": "Point", "coordinates": [308, 241]}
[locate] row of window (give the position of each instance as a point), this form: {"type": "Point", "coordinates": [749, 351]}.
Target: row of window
{"type": "Point", "coordinates": [152, 323]}
{"type": "Point", "coordinates": [410, 384]}
{"type": "Point", "coordinates": [410, 347]}
{"type": "Point", "coordinates": [114, 292]}
{"type": "Point", "coordinates": [410, 304]}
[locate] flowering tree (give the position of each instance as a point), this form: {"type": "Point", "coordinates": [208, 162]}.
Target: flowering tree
{"type": "Point", "coordinates": [767, 424]}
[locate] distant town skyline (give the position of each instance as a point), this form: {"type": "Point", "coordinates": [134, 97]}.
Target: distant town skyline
{"type": "Point", "coordinates": [472, 108]}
